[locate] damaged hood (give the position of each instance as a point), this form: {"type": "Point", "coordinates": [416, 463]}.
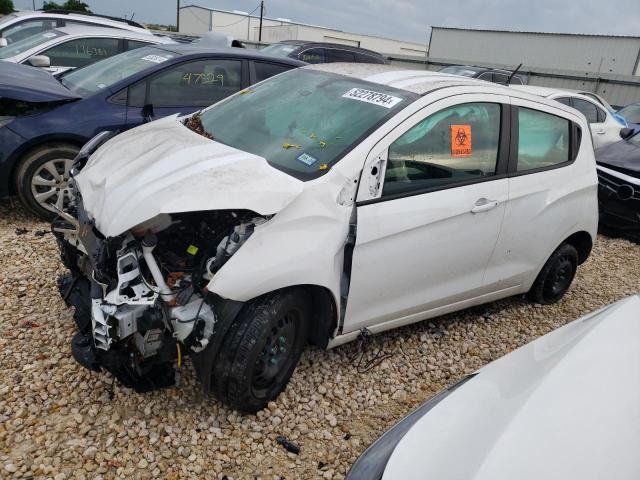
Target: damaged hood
{"type": "Point", "coordinates": [621, 154]}
{"type": "Point", "coordinates": [163, 167]}
{"type": "Point", "coordinates": [30, 84]}
{"type": "Point", "coordinates": [566, 406]}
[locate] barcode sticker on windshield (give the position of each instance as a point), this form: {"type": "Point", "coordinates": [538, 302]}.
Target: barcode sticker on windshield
{"type": "Point", "coordinates": [369, 96]}
{"type": "Point", "coordinates": [154, 58]}
{"type": "Point", "coordinates": [49, 35]}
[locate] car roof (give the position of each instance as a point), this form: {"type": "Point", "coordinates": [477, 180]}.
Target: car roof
{"type": "Point", "coordinates": [89, 18]}
{"type": "Point", "coordinates": [308, 43]}
{"type": "Point", "coordinates": [422, 82]}
{"type": "Point", "coordinates": [547, 92]}
{"type": "Point", "coordinates": [250, 54]}
{"type": "Point", "coordinates": [89, 30]}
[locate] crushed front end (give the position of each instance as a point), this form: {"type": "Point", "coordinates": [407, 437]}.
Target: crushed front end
{"type": "Point", "coordinates": [140, 298]}
{"type": "Point", "coordinates": [619, 198]}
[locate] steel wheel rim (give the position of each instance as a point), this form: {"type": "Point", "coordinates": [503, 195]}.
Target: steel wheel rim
{"type": "Point", "coordinates": [275, 357]}
{"type": "Point", "coordinates": [51, 185]}
{"type": "Point", "coordinates": [561, 276]}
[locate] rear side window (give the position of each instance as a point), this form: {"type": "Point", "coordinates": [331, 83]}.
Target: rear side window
{"type": "Point", "coordinates": [564, 100]}
{"type": "Point", "coordinates": [457, 144]}
{"type": "Point", "coordinates": [588, 109]}
{"type": "Point", "coordinates": [500, 78]}
{"type": "Point", "coordinates": [133, 44]}
{"type": "Point", "coordinates": [313, 55]}
{"type": "Point", "coordinates": [334, 55]}
{"type": "Point", "coordinates": [543, 140]}
{"type": "Point", "coordinates": [266, 70]}
{"type": "Point", "coordinates": [364, 58]}
{"type": "Point", "coordinates": [81, 52]}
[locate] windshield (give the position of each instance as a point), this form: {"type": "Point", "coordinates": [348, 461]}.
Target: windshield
{"type": "Point", "coordinates": [635, 139]}
{"type": "Point", "coordinates": [28, 43]}
{"type": "Point", "coordinates": [279, 49]}
{"type": "Point", "coordinates": [303, 121]}
{"type": "Point", "coordinates": [105, 73]}
{"type": "Point", "coordinates": [456, 70]}
{"type": "Point", "coordinates": [631, 113]}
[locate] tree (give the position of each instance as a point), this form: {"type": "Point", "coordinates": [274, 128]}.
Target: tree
{"type": "Point", "coordinates": [76, 5]}
{"type": "Point", "coordinates": [6, 6]}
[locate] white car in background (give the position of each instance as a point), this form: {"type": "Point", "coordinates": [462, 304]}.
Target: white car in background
{"type": "Point", "coordinates": [19, 25]}
{"type": "Point", "coordinates": [319, 205]}
{"type": "Point", "coordinates": [565, 406]}
{"type": "Point", "coordinates": [605, 127]}
{"type": "Point", "coordinates": [66, 48]}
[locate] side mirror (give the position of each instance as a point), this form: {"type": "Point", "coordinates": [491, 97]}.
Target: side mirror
{"type": "Point", "coordinates": [40, 61]}
{"type": "Point", "coordinates": [3, 42]}
{"type": "Point", "coordinates": [626, 133]}
{"type": "Point", "coordinates": [147, 112]}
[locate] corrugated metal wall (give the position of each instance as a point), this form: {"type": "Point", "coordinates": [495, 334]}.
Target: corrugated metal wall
{"type": "Point", "coordinates": [588, 53]}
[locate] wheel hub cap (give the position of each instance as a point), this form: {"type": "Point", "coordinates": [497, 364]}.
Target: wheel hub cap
{"type": "Point", "coordinates": [51, 184]}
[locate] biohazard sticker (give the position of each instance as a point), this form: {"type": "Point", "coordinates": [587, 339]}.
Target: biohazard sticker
{"type": "Point", "coordinates": [461, 141]}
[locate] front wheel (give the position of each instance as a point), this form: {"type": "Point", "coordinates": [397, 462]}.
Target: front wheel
{"type": "Point", "coordinates": [43, 179]}
{"type": "Point", "coordinates": [261, 350]}
{"type": "Point", "coordinates": [556, 276]}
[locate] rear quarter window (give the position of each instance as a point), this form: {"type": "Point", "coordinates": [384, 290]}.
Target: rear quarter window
{"type": "Point", "coordinates": [544, 140]}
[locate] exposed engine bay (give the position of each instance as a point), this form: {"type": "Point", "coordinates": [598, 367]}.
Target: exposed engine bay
{"type": "Point", "coordinates": [140, 297]}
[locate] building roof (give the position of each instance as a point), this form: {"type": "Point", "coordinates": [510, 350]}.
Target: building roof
{"type": "Point", "coordinates": [537, 33]}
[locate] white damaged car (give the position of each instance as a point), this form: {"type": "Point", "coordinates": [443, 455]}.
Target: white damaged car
{"type": "Point", "coordinates": [322, 204]}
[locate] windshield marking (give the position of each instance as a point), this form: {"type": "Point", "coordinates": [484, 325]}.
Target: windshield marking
{"type": "Point", "coordinates": [375, 98]}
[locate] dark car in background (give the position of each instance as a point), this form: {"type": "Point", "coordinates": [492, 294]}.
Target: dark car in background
{"type": "Point", "coordinates": [45, 121]}
{"type": "Point", "coordinates": [618, 167]}
{"type": "Point", "coordinates": [322, 52]}
{"type": "Point", "coordinates": [494, 75]}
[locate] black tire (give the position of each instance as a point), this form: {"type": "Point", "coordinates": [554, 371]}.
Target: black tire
{"type": "Point", "coordinates": [261, 350]}
{"type": "Point", "coordinates": [32, 164]}
{"type": "Point", "coordinates": [556, 276]}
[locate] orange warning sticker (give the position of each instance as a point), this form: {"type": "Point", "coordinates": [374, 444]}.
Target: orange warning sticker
{"type": "Point", "coordinates": [461, 141]}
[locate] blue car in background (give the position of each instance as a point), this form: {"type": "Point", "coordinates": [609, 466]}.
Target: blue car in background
{"type": "Point", "coordinates": [45, 121]}
{"type": "Point", "coordinates": [631, 113]}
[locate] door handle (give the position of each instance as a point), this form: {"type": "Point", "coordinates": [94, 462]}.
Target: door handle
{"type": "Point", "coordinates": [600, 132]}
{"type": "Point", "coordinates": [484, 205]}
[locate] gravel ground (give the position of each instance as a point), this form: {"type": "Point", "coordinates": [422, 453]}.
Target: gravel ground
{"type": "Point", "coordinates": [57, 420]}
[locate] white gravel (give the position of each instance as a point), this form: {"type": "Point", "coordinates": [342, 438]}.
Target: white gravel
{"type": "Point", "coordinates": [57, 421]}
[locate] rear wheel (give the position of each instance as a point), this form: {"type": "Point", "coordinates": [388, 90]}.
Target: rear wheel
{"type": "Point", "coordinates": [261, 350]}
{"type": "Point", "coordinates": [556, 276]}
{"type": "Point", "coordinates": [43, 178]}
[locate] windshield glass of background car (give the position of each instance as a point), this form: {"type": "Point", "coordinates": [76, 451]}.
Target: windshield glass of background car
{"type": "Point", "coordinates": [303, 121]}
{"type": "Point", "coordinates": [28, 43]}
{"type": "Point", "coordinates": [631, 113]}
{"type": "Point", "coordinates": [105, 73]}
{"type": "Point", "coordinates": [454, 70]}
{"type": "Point", "coordinates": [279, 50]}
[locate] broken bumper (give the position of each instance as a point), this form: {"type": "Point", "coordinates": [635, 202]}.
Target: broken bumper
{"type": "Point", "coordinates": [619, 199]}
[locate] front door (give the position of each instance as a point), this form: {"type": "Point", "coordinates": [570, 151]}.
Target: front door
{"type": "Point", "coordinates": [424, 240]}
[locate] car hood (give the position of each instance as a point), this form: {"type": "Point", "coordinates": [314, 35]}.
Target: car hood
{"type": "Point", "coordinates": [164, 167]}
{"type": "Point", "coordinates": [621, 154]}
{"type": "Point", "coordinates": [564, 406]}
{"type": "Point", "coordinates": [30, 84]}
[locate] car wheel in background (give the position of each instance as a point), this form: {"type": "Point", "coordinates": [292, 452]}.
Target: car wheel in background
{"type": "Point", "coordinates": [556, 276]}
{"type": "Point", "coordinates": [42, 178]}
{"type": "Point", "coordinates": [261, 350]}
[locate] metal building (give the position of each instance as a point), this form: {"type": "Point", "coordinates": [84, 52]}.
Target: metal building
{"type": "Point", "coordinates": [243, 26]}
{"type": "Point", "coordinates": [599, 54]}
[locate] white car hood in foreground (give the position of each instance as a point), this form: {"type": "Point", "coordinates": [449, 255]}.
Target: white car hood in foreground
{"type": "Point", "coordinates": [566, 406]}
{"type": "Point", "coordinates": [163, 167]}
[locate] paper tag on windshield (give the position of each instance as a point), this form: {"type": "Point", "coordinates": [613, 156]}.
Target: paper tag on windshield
{"type": "Point", "coordinates": [369, 96]}
{"type": "Point", "coordinates": [49, 35]}
{"type": "Point", "coordinates": [154, 58]}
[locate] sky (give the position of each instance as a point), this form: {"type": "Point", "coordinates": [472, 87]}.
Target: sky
{"type": "Point", "coordinates": [407, 19]}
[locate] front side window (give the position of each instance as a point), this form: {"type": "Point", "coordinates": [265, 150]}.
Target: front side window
{"type": "Point", "coordinates": [313, 55]}
{"type": "Point", "coordinates": [195, 84]}
{"type": "Point", "coordinates": [457, 144]}
{"type": "Point", "coordinates": [81, 52]}
{"type": "Point", "coordinates": [588, 109]}
{"type": "Point", "coordinates": [543, 139]}
{"type": "Point", "coordinates": [303, 121]}
{"type": "Point", "coordinates": [22, 30]}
